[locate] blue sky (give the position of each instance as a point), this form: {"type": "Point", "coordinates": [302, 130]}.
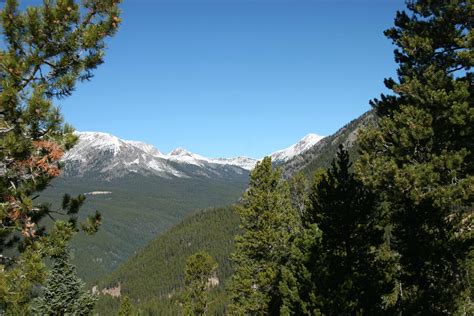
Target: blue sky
{"type": "Point", "coordinates": [228, 78]}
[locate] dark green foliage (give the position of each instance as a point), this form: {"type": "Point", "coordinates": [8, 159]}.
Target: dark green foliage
{"type": "Point", "coordinates": [64, 293]}
{"type": "Point", "coordinates": [268, 223]}
{"type": "Point", "coordinates": [338, 264]}
{"type": "Point", "coordinates": [297, 291]}
{"type": "Point", "coordinates": [155, 275]}
{"type": "Point", "coordinates": [45, 50]}
{"type": "Point", "coordinates": [199, 270]}
{"type": "Point", "coordinates": [350, 278]}
{"type": "Point", "coordinates": [420, 158]}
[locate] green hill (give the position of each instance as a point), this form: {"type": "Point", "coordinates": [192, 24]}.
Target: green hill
{"type": "Point", "coordinates": [153, 278]}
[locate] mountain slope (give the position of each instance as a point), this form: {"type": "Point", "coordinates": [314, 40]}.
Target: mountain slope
{"type": "Point", "coordinates": [321, 154]}
{"type": "Point", "coordinates": [154, 276]}
{"type": "Point", "coordinates": [106, 157]}
{"type": "Point", "coordinates": [140, 193]}
{"type": "Point", "coordinates": [300, 147]}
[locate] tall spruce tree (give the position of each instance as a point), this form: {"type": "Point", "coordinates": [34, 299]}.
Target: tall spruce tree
{"type": "Point", "coordinates": [64, 293]}
{"type": "Point", "coordinates": [199, 270]}
{"type": "Point", "coordinates": [351, 261]}
{"type": "Point", "coordinates": [47, 49]}
{"type": "Point", "coordinates": [420, 158]}
{"type": "Point", "coordinates": [269, 223]}
{"type": "Point", "coordinates": [340, 265]}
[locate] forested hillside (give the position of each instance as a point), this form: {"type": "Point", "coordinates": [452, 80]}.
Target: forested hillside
{"type": "Point", "coordinates": [135, 209]}
{"type": "Point", "coordinates": [154, 277]}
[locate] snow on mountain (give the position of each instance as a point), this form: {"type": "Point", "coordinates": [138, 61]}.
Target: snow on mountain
{"type": "Point", "coordinates": [149, 149]}
{"type": "Point", "coordinates": [242, 162]}
{"type": "Point", "coordinates": [304, 144]}
{"type": "Point", "coordinates": [183, 156]}
{"type": "Point", "coordinates": [105, 154]}
{"type": "Point", "coordinates": [96, 140]}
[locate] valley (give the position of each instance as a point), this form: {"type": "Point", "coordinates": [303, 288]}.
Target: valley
{"type": "Point", "coordinates": [155, 274]}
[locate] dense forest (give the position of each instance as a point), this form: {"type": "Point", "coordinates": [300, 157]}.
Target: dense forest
{"type": "Point", "coordinates": [374, 220]}
{"type": "Point", "coordinates": [154, 278]}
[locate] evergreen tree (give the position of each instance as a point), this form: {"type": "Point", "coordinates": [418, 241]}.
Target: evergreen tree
{"type": "Point", "coordinates": [199, 270]}
{"type": "Point", "coordinates": [420, 158]}
{"type": "Point", "coordinates": [126, 307]}
{"type": "Point", "coordinates": [352, 262]}
{"type": "Point", "coordinates": [269, 223]}
{"type": "Point", "coordinates": [64, 293]}
{"type": "Point", "coordinates": [46, 50]}
{"type": "Point", "coordinates": [340, 264]}
{"type": "Point", "coordinates": [296, 287]}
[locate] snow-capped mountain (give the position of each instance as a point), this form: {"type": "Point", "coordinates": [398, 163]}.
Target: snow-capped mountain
{"type": "Point", "coordinates": [304, 144]}
{"type": "Point", "coordinates": [105, 155]}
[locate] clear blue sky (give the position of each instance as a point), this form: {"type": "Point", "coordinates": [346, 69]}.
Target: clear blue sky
{"type": "Point", "coordinates": [227, 78]}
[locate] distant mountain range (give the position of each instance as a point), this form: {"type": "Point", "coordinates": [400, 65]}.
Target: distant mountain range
{"type": "Point", "coordinates": [109, 157]}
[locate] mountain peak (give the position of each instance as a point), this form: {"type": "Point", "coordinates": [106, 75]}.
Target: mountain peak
{"type": "Point", "coordinates": [302, 145]}
{"type": "Point", "coordinates": [149, 149]}
{"type": "Point", "coordinates": [99, 141]}
{"type": "Point", "coordinates": [311, 138]}
{"type": "Point", "coordinates": [180, 152]}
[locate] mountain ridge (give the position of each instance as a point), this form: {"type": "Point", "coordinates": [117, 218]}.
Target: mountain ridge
{"type": "Point", "coordinates": [130, 156]}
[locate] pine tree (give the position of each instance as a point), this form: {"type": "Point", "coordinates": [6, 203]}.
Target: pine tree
{"type": "Point", "coordinates": [269, 223]}
{"type": "Point", "coordinates": [351, 267]}
{"type": "Point", "coordinates": [339, 265]}
{"type": "Point", "coordinates": [296, 287]}
{"type": "Point", "coordinates": [46, 50]}
{"type": "Point", "coordinates": [64, 293]}
{"type": "Point", "coordinates": [200, 268]}
{"type": "Point", "coordinates": [126, 307]}
{"type": "Point", "coordinates": [420, 160]}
